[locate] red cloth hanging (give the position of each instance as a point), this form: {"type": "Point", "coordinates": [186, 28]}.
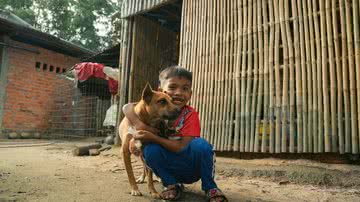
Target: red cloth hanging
{"type": "Point", "coordinates": [85, 70]}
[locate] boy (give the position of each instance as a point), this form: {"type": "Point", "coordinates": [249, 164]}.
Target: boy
{"type": "Point", "coordinates": [185, 158]}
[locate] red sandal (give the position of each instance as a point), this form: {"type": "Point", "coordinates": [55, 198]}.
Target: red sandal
{"type": "Point", "coordinates": [215, 194]}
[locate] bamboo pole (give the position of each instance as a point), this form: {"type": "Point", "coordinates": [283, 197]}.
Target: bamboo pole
{"type": "Point", "coordinates": [319, 146]}
{"type": "Point", "coordinates": [250, 64]}
{"type": "Point", "coordinates": [235, 52]}
{"type": "Point", "coordinates": [238, 79]}
{"type": "Point", "coordinates": [350, 42]}
{"type": "Point", "coordinates": [271, 75]}
{"type": "Point", "coordinates": [222, 72]}
{"type": "Point", "coordinates": [212, 69]}
{"type": "Point", "coordinates": [217, 75]}
{"type": "Point", "coordinates": [182, 34]}
{"type": "Point", "coordinates": [260, 90]}
{"type": "Point", "coordinates": [340, 102]}
{"type": "Point", "coordinates": [331, 142]}
{"type": "Point", "coordinates": [204, 64]}
{"type": "Point", "coordinates": [256, 73]}
{"type": "Point", "coordinates": [266, 76]}
{"type": "Point", "coordinates": [324, 79]}
{"type": "Point", "coordinates": [299, 145]}
{"type": "Point", "coordinates": [314, 109]}
{"type": "Point", "coordinates": [292, 79]}
{"type": "Point", "coordinates": [303, 77]}
{"type": "Point", "coordinates": [196, 52]}
{"type": "Point", "coordinates": [285, 89]}
{"type": "Point", "coordinates": [356, 20]}
{"type": "Point", "coordinates": [308, 68]}
{"type": "Point", "coordinates": [207, 60]}
{"type": "Point", "coordinates": [243, 76]}
{"type": "Point", "coordinates": [224, 66]}
{"type": "Point", "coordinates": [197, 68]}
{"type": "Point", "coordinates": [345, 79]}
{"type": "Point", "coordinates": [187, 39]}
{"type": "Point", "coordinates": [277, 80]}
{"type": "Point", "coordinates": [229, 73]}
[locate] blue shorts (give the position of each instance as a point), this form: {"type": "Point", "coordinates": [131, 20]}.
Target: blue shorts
{"type": "Point", "coordinates": [196, 161]}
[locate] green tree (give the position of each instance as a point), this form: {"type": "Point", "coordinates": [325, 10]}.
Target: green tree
{"type": "Point", "coordinates": [77, 21]}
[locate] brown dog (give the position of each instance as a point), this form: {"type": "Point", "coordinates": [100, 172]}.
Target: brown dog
{"type": "Point", "coordinates": [153, 108]}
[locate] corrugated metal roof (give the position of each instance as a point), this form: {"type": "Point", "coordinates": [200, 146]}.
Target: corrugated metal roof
{"type": "Point", "coordinates": [133, 7]}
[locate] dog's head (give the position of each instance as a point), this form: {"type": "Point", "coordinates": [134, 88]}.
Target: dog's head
{"type": "Point", "coordinates": [159, 104]}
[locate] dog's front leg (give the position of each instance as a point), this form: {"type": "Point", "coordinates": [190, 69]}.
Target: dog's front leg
{"type": "Point", "coordinates": [129, 170]}
{"type": "Point", "coordinates": [150, 184]}
{"type": "Point", "coordinates": [141, 179]}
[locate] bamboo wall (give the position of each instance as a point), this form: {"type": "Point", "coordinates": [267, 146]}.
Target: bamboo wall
{"type": "Point", "coordinates": [275, 76]}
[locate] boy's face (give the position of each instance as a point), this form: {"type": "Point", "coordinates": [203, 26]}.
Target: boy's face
{"type": "Point", "coordinates": [178, 88]}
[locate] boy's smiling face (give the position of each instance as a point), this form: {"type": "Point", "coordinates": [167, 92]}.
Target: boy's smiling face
{"type": "Point", "coordinates": [178, 88]}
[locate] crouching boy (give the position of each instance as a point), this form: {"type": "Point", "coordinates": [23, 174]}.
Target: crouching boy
{"type": "Point", "coordinates": [186, 157]}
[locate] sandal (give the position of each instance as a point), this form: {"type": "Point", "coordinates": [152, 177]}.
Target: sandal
{"type": "Point", "coordinates": [216, 195]}
{"type": "Point", "coordinates": [176, 191]}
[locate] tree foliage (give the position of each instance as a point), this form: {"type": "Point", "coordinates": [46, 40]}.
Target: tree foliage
{"type": "Point", "coordinates": [77, 21]}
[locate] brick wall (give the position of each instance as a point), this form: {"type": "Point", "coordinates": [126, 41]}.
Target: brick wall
{"type": "Point", "coordinates": [31, 87]}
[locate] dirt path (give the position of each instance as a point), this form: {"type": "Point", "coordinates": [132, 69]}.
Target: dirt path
{"type": "Point", "coordinates": [51, 173]}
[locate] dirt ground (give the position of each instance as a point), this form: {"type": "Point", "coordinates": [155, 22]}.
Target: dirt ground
{"type": "Point", "coordinates": [43, 170]}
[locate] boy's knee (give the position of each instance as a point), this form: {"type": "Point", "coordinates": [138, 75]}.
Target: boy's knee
{"type": "Point", "coordinates": [200, 145]}
{"type": "Point", "coordinates": [152, 152]}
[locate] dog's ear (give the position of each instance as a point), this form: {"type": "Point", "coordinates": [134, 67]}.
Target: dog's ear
{"type": "Point", "coordinates": [147, 93]}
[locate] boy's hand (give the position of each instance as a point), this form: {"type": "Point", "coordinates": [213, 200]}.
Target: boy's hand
{"type": "Point", "coordinates": [140, 126]}
{"type": "Point", "coordinates": [145, 136]}
{"type": "Point", "coordinates": [133, 148]}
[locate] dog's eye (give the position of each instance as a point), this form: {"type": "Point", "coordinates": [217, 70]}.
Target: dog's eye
{"type": "Point", "coordinates": [162, 102]}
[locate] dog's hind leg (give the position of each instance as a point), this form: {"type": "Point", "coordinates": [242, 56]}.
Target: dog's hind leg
{"type": "Point", "coordinates": [129, 170]}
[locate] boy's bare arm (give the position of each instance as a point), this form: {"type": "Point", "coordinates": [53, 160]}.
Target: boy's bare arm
{"type": "Point", "coordinates": [129, 112]}
{"type": "Point", "coordinates": [171, 145]}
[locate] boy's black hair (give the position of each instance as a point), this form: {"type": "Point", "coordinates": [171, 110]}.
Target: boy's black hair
{"type": "Point", "coordinates": [173, 71]}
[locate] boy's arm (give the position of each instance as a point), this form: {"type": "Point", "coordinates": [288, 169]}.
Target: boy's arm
{"type": "Point", "coordinates": [171, 145]}
{"type": "Point", "coordinates": [129, 112]}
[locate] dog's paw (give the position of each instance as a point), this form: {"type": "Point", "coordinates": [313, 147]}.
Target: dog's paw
{"type": "Point", "coordinates": [136, 193]}
{"type": "Point", "coordinates": [155, 195]}
{"type": "Point", "coordinates": [140, 180]}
